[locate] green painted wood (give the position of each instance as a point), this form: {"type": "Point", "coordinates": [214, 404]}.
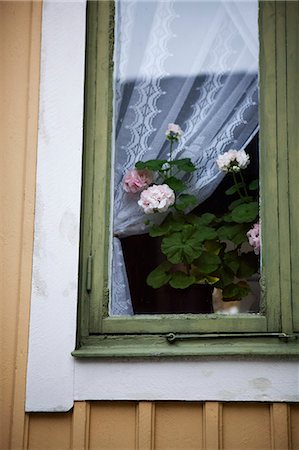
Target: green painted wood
{"type": "Point", "coordinates": [157, 346]}
{"type": "Point", "coordinates": [98, 132]}
{"type": "Point", "coordinates": [185, 323]}
{"type": "Point", "coordinates": [283, 164]}
{"type": "Point", "coordinates": [268, 166]}
{"type": "Point", "coordinates": [292, 37]}
{"type": "Point", "coordinates": [87, 172]}
{"type": "Point", "coordinates": [279, 135]}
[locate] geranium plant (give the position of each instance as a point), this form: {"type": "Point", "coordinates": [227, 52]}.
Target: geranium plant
{"type": "Point", "coordinates": [199, 249]}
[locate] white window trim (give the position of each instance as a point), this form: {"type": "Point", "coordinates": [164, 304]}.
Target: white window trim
{"type": "Point", "coordinates": [54, 378]}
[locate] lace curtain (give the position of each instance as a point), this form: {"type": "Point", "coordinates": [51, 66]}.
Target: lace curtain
{"type": "Point", "coordinates": [191, 63]}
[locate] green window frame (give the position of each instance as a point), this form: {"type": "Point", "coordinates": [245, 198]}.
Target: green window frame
{"type": "Point", "coordinates": [274, 330]}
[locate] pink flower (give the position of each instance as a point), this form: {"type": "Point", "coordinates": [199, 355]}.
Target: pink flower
{"type": "Point", "coordinates": [157, 198]}
{"type": "Point", "coordinates": [254, 238]}
{"type": "Point", "coordinates": [137, 180]}
{"type": "Point", "coordinates": [173, 132]}
{"type": "Point", "coordinates": [233, 161]}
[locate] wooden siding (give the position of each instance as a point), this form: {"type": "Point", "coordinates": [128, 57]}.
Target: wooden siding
{"type": "Point", "coordinates": [167, 426]}
{"type": "Point", "coordinates": [93, 425]}
{"type": "Point", "coordinates": [20, 30]}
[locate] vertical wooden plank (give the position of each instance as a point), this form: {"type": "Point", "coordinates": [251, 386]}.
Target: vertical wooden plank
{"type": "Point", "coordinates": [96, 166]}
{"type": "Point", "coordinates": [87, 170]}
{"type": "Point", "coordinates": [294, 442]}
{"type": "Point", "coordinates": [246, 426]}
{"type": "Point", "coordinates": [292, 30]}
{"type": "Point", "coordinates": [49, 431]}
{"type": "Point", "coordinates": [80, 426]}
{"type": "Point", "coordinates": [25, 270]}
{"type": "Point", "coordinates": [95, 208]}
{"type": "Point", "coordinates": [26, 433]}
{"type": "Point", "coordinates": [280, 426]}
{"type": "Point", "coordinates": [145, 426]}
{"type": "Point", "coordinates": [112, 425]}
{"type": "Point", "coordinates": [20, 29]}
{"type": "Point", "coordinates": [101, 98]}
{"type": "Point", "coordinates": [268, 163]}
{"type": "Point", "coordinates": [212, 426]}
{"type": "Point", "coordinates": [283, 164]}
{"type": "Point", "coordinates": [178, 426]}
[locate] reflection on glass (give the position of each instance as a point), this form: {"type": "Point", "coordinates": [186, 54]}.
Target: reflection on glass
{"type": "Point", "coordinates": [194, 64]}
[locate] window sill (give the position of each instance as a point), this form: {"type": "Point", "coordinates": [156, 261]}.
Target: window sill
{"type": "Point", "coordinates": [271, 345]}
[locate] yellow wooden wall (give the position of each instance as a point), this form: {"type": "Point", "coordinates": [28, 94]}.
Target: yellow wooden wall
{"type": "Point", "coordinates": [94, 425]}
{"type": "Point", "coordinates": [167, 426]}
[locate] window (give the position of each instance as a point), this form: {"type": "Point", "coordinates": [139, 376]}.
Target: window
{"type": "Point", "coordinates": [101, 334]}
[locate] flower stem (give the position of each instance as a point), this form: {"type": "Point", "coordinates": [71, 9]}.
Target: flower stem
{"type": "Point", "coordinates": [237, 187]}
{"type": "Point", "coordinates": [244, 185]}
{"type": "Point", "coordinates": [170, 157]}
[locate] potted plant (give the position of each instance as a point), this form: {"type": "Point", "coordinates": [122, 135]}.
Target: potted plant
{"type": "Point", "coordinates": [204, 251]}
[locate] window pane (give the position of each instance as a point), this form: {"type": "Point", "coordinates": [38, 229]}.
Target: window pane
{"type": "Point", "coordinates": [194, 64]}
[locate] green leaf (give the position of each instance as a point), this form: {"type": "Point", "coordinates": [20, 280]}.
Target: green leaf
{"type": "Point", "coordinates": [182, 246]}
{"type": "Point", "coordinates": [207, 263]}
{"type": "Point", "coordinates": [240, 201]}
{"type": "Point", "coordinates": [235, 291]}
{"type": "Point", "coordinates": [159, 230]}
{"type": "Point", "coordinates": [152, 164]}
{"type": "Point", "coordinates": [230, 291]}
{"type": "Point", "coordinates": [206, 219]}
{"type": "Point", "coordinates": [213, 247]}
{"type": "Point", "coordinates": [235, 203]}
{"type": "Point", "coordinates": [231, 259]}
{"type": "Point", "coordinates": [246, 212]}
{"type": "Point", "coordinates": [235, 233]}
{"type": "Point", "coordinates": [249, 264]}
{"type": "Point", "coordinates": [226, 276]}
{"type": "Point", "coordinates": [160, 275]}
{"type": "Point", "coordinates": [184, 164]}
{"type": "Point", "coordinates": [170, 224]}
{"type": "Point", "coordinates": [175, 184]}
{"type": "Point", "coordinates": [254, 185]}
{"type": "Point", "coordinates": [185, 200]}
{"type": "Point", "coordinates": [232, 190]}
{"type": "Point", "coordinates": [205, 233]}
{"type": "Point", "coordinates": [228, 217]}
{"type": "Point", "coordinates": [181, 280]}
{"type": "Point", "coordinates": [211, 279]}
{"type": "Point", "coordinates": [207, 279]}
{"type": "Point", "coordinates": [177, 221]}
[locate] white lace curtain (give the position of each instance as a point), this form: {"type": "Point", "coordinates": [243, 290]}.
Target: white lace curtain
{"type": "Point", "coordinates": [185, 62]}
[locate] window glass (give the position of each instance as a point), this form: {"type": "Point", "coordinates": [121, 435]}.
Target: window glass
{"type": "Point", "coordinates": [195, 65]}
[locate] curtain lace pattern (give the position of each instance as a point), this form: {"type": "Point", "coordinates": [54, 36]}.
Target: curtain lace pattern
{"type": "Point", "coordinates": [191, 63]}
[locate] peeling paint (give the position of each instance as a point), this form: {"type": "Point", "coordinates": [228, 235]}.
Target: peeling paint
{"type": "Point", "coordinates": [39, 286]}
{"type": "Point", "coordinates": [68, 227]}
{"type": "Point", "coordinates": [54, 378]}
{"type": "Point", "coordinates": [261, 383]}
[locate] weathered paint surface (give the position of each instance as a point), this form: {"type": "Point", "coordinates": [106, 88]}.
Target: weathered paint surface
{"type": "Point", "coordinates": [57, 212]}
{"type": "Point", "coordinates": [20, 32]}
{"type": "Point", "coordinates": [94, 425]}
{"type": "Point", "coordinates": [55, 379]}
{"type": "Point", "coordinates": [166, 426]}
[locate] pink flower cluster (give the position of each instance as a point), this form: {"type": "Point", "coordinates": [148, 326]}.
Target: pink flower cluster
{"type": "Point", "coordinates": [157, 198]}
{"type": "Point", "coordinates": [233, 161]}
{"type": "Point", "coordinates": [137, 180]}
{"type": "Point", "coordinates": [254, 238]}
{"type": "Point", "coordinates": [173, 132]}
